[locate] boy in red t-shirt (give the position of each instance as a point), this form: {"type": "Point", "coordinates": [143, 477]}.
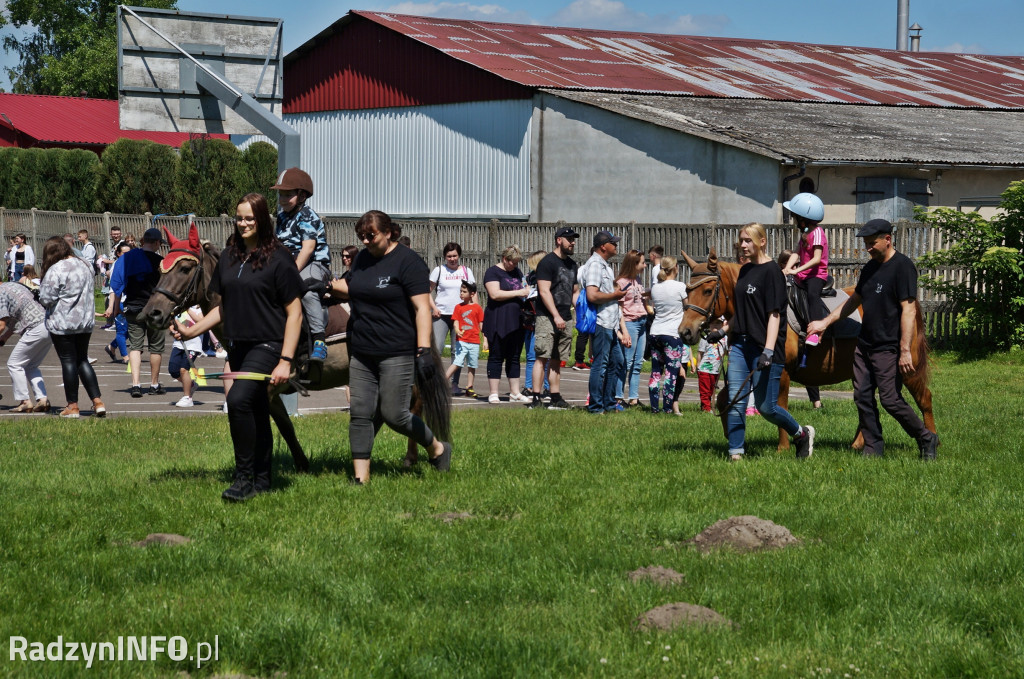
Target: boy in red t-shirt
{"type": "Point", "coordinates": [467, 318]}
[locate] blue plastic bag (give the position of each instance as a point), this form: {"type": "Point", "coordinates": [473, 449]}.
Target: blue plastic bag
{"type": "Point", "coordinates": [586, 314]}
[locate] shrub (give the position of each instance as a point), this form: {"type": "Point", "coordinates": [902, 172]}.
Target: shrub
{"type": "Point", "coordinates": [210, 176]}
{"type": "Point", "coordinates": [136, 176]}
{"type": "Point", "coordinates": [76, 188]}
{"type": "Point", "coordinates": [991, 297]}
{"type": "Point", "coordinates": [259, 162]}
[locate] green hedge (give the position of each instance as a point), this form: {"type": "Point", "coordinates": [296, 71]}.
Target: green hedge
{"type": "Point", "coordinates": [205, 176]}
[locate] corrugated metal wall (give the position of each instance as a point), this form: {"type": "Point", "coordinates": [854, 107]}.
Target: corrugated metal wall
{"type": "Point", "coordinates": [365, 65]}
{"type": "Point", "coordinates": [462, 161]}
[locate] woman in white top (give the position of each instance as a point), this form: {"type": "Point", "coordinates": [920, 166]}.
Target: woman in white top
{"type": "Point", "coordinates": [667, 298]}
{"type": "Point", "coordinates": [19, 256]}
{"type": "Point", "coordinates": [446, 281]}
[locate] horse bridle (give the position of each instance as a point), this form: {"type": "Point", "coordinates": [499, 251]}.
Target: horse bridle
{"type": "Point", "coordinates": [710, 311]}
{"type": "Point", "coordinates": [190, 289]}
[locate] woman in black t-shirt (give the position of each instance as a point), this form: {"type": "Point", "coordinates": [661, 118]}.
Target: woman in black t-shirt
{"type": "Point", "coordinates": [261, 309]}
{"type": "Point", "coordinates": [757, 346]}
{"type": "Point", "coordinates": [506, 292]}
{"type": "Point", "coordinates": [389, 335]}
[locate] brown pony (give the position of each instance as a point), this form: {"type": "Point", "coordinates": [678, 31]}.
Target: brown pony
{"type": "Point", "coordinates": [185, 275]}
{"type": "Point", "coordinates": [711, 293]}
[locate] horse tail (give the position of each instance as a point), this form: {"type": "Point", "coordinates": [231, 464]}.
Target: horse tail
{"type": "Point", "coordinates": [436, 396]}
{"type": "Point", "coordinates": [923, 369]}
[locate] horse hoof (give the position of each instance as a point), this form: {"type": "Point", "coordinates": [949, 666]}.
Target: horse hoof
{"type": "Point", "coordinates": [301, 464]}
{"type": "Point", "coordinates": [410, 461]}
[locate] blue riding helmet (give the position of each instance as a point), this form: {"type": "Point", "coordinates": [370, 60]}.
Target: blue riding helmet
{"type": "Point", "coordinates": [807, 205]}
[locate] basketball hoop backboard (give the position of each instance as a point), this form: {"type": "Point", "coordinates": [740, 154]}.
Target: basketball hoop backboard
{"type": "Point", "coordinates": [158, 74]}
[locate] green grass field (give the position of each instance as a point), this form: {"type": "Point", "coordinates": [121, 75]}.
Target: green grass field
{"type": "Point", "coordinates": [907, 569]}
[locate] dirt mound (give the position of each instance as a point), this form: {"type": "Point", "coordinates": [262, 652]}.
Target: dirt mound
{"type": "Point", "coordinates": [666, 577]}
{"type": "Point", "coordinates": [169, 539]}
{"type": "Point", "coordinates": [671, 616]}
{"type": "Point", "coordinates": [746, 534]}
{"type": "Point", "coordinates": [452, 517]}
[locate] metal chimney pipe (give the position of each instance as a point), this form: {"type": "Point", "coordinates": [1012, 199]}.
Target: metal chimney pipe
{"type": "Point", "coordinates": [902, 24]}
{"type": "Point", "coordinates": [915, 39]}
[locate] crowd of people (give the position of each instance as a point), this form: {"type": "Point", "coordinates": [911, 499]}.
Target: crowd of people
{"type": "Point", "coordinates": [272, 280]}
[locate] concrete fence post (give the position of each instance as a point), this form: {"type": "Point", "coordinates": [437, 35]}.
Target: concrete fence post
{"type": "Point", "coordinates": [35, 246]}
{"type": "Point", "coordinates": [432, 243]}
{"type": "Point", "coordinates": [106, 231]}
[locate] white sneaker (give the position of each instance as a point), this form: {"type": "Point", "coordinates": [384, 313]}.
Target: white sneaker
{"type": "Point", "coordinates": [518, 398]}
{"type": "Point", "coordinates": [224, 408]}
{"type": "Point", "coordinates": [91, 361]}
{"type": "Point", "coordinates": [221, 353]}
{"type": "Point", "coordinates": [493, 398]}
{"type": "Point", "coordinates": [184, 402]}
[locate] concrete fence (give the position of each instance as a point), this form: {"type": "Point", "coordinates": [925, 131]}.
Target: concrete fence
{"type": "Point", "coordinates": [481, 243]}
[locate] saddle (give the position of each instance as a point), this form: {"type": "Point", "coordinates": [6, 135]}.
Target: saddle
{"type": "Point", "coordinates": [335, 331]}
{"type": "Point", "coordinates": [831, 299]}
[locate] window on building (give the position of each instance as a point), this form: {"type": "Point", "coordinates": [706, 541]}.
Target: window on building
{"type": "Point", "coordinates": [891, 198]}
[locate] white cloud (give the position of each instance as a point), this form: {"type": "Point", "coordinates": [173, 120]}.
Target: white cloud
{"type": "Point", "coordinates": [614, 15]}
{"type": "Point", "coordinates": [462, 10]}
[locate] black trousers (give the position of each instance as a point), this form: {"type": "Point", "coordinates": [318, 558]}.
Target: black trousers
{"type": "Point", "coordinates": [880, 371]}
{"type": "Point", "coordinates": [73, 351]}
{"type": "Point", "coordinates": [249, 411]}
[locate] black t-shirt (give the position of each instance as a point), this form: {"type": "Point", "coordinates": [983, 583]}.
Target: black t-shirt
{"type": "Point", "coordinates": [253, 302]}
{"type": "Point", "coordinates": [383, 320]}
{"type": "Point", "coordinates": [760, 290]}
{"type": "Point", "coordinates": [882, 288]}
{"type": "Point", "coordinates": [562, 274]}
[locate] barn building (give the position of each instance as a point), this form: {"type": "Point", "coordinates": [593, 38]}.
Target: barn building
{"type": "Point", "coordinates": [441, 118]}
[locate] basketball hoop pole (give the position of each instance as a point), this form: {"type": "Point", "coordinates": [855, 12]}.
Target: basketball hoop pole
{"type": "Point", "coordinates": [284, 135]}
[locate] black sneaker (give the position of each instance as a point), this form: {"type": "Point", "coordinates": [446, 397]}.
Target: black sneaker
{"type": "Point", "coordinates": [805, 443]}
{"type": "Point", "coordinates": [158, 390]}
{"type": "Point", "coordinates": [535, 402]}
{"type": "Point", "coordinates": [240, 491]}
{"type": "Point", "coordinates": [928, 446]}
{"type": "Point", "coordinates": [136, 392]}
{"type": "Point", "coordinates": [545, 395]}
{"type": "Point", "coordinates": [558, 403]}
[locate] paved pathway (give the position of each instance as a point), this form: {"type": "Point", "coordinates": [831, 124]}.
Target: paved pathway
{"type": "Point", "coordinates": [115, 382]}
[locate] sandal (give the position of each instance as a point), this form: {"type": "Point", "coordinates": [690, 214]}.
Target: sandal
{"type": "Point", "coordinates": [42, 406]}
{"type": "Point", "coordinates": [24, 407]}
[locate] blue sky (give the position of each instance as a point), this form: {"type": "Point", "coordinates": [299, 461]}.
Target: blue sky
{"type": "Point", "coordinates": [982, 26]}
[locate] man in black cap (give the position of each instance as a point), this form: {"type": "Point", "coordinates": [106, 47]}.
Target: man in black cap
{"type": "Point", "coordinates": [134, 280]}
{"type": "Point", "coordinates": [887, 288]}
{"type": "Point", "coordinates": [598, 280]}
{"type": "Point", "coordinates": [556, 288]}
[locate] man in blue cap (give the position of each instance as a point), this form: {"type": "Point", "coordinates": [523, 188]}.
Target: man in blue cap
{"type": "Point", "coordinates": [887, 288]}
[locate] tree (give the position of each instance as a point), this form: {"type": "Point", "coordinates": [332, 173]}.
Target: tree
{"type": "Point", "coordinates": [66, 47]}
{"type": "Point", "coordinates": [990, 299]}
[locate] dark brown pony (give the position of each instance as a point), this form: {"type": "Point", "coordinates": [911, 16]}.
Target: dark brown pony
{"type": "Point", "coordinates": [185, 275]}
{"type": "Point", "coordinates": [711, 293]}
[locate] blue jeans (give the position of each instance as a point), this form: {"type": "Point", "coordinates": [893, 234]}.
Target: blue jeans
{"type": "Point", "coordinates": [633, 360]}
{"type": "Point", "coordinates": [743, 355]}
{"type": "Point", "coordinates": [531, 358]}
{"type": "Point", "coordinates": [604, 370]}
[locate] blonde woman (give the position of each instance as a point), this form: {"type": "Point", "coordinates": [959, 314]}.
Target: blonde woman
{"type": "Point", "coordinates": [757, 346]}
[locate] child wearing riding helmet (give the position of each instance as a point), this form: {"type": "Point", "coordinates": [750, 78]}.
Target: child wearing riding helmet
{"type": "Point", "coordinates": [757, 346]}
{"type": "Point", "coordinates": [301, 231]}
{"type": "Point", "coordinates": [812, 270]}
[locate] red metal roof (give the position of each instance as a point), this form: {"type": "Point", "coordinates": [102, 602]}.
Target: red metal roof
{"type": "Point", "coordinates": [573, 58]}
{"type": "Point", "coordinates": [73, 121]}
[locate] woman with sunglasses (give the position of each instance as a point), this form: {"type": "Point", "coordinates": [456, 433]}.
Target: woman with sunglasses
{"type": "Point", "coordinates": [389, 342]}
{"type": "Point", "coordinates": [506, 292]}
{"type": "Point", "coordinates": [348, 255]}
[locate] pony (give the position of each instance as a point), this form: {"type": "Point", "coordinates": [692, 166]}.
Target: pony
{"type": "Point", "coordinates": [185, 275]}
{"type": "Point", "coordinates": [711, 293]}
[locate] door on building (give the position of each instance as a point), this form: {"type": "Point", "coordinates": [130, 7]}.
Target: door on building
{"type": "Point", "coordinates": [891, 198]}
